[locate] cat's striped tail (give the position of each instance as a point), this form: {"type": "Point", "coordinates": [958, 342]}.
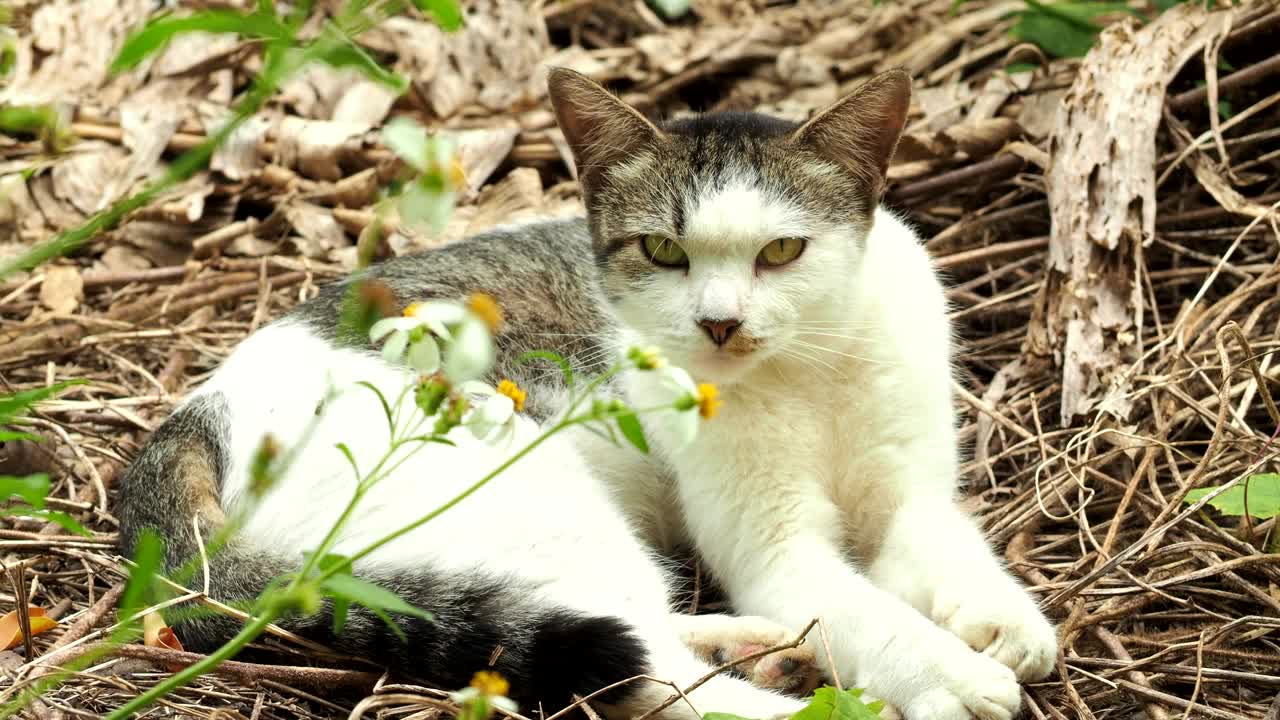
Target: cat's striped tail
{"type": "Point", "coordinates": [480, 622]}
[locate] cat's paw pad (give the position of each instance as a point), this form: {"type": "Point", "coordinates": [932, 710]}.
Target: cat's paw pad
{"type": "Point", "coordinates": [974, 686]}
{"type": "Point", "coordinates": [1009, 629]}
{"type": "Point", "coordinates": [790, 670]}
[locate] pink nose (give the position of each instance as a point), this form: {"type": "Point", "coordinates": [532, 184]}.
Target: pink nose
{"type": "Point", "coordinates": [720, 330]}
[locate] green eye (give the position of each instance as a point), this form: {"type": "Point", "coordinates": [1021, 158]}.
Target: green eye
{"type": "Point", "coordinates": [781, 251]}
{"type": "Point", "coordinates": [664, 251]}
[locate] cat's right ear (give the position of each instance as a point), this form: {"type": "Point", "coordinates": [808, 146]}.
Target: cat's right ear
{"type": "Point", "coordinates": [601, 129]}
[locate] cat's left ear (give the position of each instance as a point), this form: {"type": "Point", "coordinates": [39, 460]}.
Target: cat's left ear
{"type": "Point", "coordinates": [861, 131]}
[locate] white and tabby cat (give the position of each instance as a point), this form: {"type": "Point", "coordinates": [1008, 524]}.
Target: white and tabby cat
{"type": "Point", "coordinates": [754, 252]}
{"type": "Point", "coordinates": [750, 251]}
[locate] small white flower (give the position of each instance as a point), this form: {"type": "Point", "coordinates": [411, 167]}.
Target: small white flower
{"type": "Point", "coordinates": [471, 353]}
{"type": "Point", "coordinates": [425, 209]}
{"type": "Point", "coordinates": [670, 385]}
{"type": "Point", "coordinates": [493, 419]}
{"type": "Point", "coordinates": [423, 352]}
{"type": "Point", "coordinates": [468, 344]}
{"type": "Point", "coordinates": [407, 139]}
{"type": "Point", "coordinates": [471, 694]}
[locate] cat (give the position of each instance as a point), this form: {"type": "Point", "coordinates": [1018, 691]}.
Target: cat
{"type": "Point", "coordinates": [748, 249]}
{"type": "Point", "coordinates": [755, 253]}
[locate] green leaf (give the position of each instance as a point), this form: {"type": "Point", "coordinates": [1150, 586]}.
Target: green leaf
{"type": "Point", "coordinates": [346, 54]}
{"type": "Point", "coordinates": [158, 33]}
{"type": "Point", "coordinates": [12, 405]}
{"type": "Point", "coordinates": [724, 716]}
{"type": "Point", "coordinates": [1263, 497]}
{"type": "Point", "coordinates": [631, 429]}
{"type": "Point", "coordinates": [351, 459]}
{"type": "Point", "coordinates": [829, 704]}
{"type": "Point", "coordinates": [446, 13]}
{"type": "Point", "coordinates": [390, 624]}
{"type": "Point", "coordinates": [386, 407]}
{"type": "Point", "coordinates": [341, 607]}
{"type": "Point", "coordinates": [28, 120]}
{"type": "Point", "coordinates": [148, 554]}
{"type": "Point", "coordinates": [347, 587]}
{"type": "Point", "coordinates": [565, 369]}
{"type": "Point", "coordinates": [674, 9]}
{"type": "Point", "coordinates": [33, 489]}
{"type": "Point", "coordinates": [1020, 67]}
{"type": "Point", "coordinates": [339, 564]}
{"type": "Point", "coordinates": [60, 518]}
{"type": "Point", "coordinates": [8, 435]}
{"type": "Point", "coordinates": [1063, 29]}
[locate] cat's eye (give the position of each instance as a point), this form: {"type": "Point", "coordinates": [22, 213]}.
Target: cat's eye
{"type": "Point", "coordinates": [664, 251]}
{"type": "Point", "coordinates": [781, 251]}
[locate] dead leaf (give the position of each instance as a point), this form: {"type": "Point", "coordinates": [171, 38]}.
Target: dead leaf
{"type": "Point", "coordinates": [11, 631]}
{"type": "Point", "coordinates": [972, 140]}
{"type": "Point", "coordinates": [1038, 112]}
{"type": "Point", "coordinates": [364, 102]}
{"type": "Point", "coordinates": [318, 232]}
{"type": "Point", "coordinates": [122, 258]}
{"type": "Point", "coordinates": [157, 633]}
{"type": "Point", "coordinates": [316, 147]}
{"type": "Point", "coordinates": [84, 177]}
{"type": "Point", "coordinates": [493, 61]}
{"type": "Point", "coordinates": [943, 106]}
{"type": "Point", "coordinates": [517, 196]}
{"type": "Point", "coordinates": [62, 289]}
{"type": "Point", "coordinates": [237, 158]}
{"type": "Point", "coordinates": [75, 43]}
{"type": "Point", "coordinates": [931, 46]}
{"type": "Point", "coordinates": [481, 151]}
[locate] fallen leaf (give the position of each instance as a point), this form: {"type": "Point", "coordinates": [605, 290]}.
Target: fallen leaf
{"type": "Point", "coordinates": [11, 631]}
{"type": "Point", "coordinates": [157, 633]}
{"type": "Point", "coordinates": [318, 232]}
{"type": "Point", "coordinates": [316, 147]}
{"type": "Point", "coordinates": [62, 289]}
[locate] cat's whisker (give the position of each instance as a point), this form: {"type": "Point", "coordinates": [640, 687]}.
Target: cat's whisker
{"type": "Point", "coordinates": [859, 358]}
{"type": "Point", "coordinates": [812, 361]}
{"type": "Point", "coordinates": [843, 336]}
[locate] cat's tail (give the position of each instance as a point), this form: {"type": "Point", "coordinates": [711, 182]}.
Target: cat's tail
{"type": "Point", "coordinates": [480, 622]}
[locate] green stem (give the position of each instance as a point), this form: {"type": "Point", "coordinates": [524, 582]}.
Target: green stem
{"type": "Point", "coordinates": [246, 635]}
{"type": "Point", "coordinates": [459, 498]}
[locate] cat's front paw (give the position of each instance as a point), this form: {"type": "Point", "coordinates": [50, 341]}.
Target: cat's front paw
{"type": "Point", "coordinates": [1001, 622]}
{"type": "Point", "coordinates": [794, 670]}
{"type": "Point", "coordinates": [973, 686]}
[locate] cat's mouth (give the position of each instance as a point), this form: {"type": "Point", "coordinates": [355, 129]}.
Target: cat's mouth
{"type": "Point", "coordinates": [730, 359]}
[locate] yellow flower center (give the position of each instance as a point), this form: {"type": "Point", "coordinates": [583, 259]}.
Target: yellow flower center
{"type": "Point", "coordinates": [457, 174]}
{"type": "Point", "coordinates": [513, 391]}
{"type": "Point", "coordinates": [487, 309]}
{"type": "Point", "coordinates": [490, 683]}
{"type": "Point", "coordinates": [647, 358]}
{"type": "Point", "coordinates": [412, 310]}
{"type": "Point", "coordinates": [708, 400]}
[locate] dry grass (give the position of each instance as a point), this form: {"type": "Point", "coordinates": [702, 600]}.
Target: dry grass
{"type": "Point", "coordinates": [1166, 609]}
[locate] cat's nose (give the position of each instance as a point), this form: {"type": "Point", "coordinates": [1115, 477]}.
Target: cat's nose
{"type": "Point", "coordinates": [720, 330]}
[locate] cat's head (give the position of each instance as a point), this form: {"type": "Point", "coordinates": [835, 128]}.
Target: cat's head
{"type": "Point", "coordinates": [721, 238]}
